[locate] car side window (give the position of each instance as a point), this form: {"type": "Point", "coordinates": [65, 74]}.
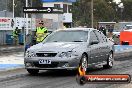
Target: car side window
{"type": "Point", "coordinates": [101, 36]}
{"type": "Point", "coordinates": [93, 37]}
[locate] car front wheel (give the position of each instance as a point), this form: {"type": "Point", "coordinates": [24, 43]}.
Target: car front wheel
{"type": "Point", "coordinates": [83, 62]}
{"type": "Point", "coordinates": [33, 71]}
{"type": "Point", "coordinates": [110, 61]}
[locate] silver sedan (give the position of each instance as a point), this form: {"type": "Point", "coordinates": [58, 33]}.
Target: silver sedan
{"type": "Point", "coordinates": [70, 48]}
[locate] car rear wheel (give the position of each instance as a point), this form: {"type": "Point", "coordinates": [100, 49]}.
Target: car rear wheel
{"type": "Point", "coordinates": [84, 62]}
{"type": "Point", "coordinates": [33, 71]}
{"type": "Point", "coordinates": [110, 61]}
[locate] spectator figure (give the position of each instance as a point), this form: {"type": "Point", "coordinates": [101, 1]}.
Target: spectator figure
{"type": "Point", "coordinates": [15, 35]}
{"type": "Point", "coordinates": [41, 32]}
{"type": "Point", "coordinates": [103, 30]}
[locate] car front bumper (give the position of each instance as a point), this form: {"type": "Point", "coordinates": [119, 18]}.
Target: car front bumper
{"type": "Point", "coordinates": [57, 63]}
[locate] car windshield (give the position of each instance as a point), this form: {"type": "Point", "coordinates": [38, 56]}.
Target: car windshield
{"type": "Point", "coordinates": [68, 36]}
{"type": "Point", "coordinates": [129, 27]}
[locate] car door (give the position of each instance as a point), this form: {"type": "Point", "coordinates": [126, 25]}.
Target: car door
{"type": "Point", "coordinates": [103, 46]}
{"type": "Point", "coordinates": [106, 47]}
{"type": "Point", "coordinates": [93, 49]}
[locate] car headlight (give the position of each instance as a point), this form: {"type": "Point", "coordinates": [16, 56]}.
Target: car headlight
{"type": "Point", "coordinates": [33, 54]}
{"type": "Point", "coordinates": [66, 54]}
{"type": "Point", "coordinates": [29, 54]}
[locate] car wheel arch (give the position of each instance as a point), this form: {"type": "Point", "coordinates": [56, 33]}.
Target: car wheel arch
{"type": "Point", "coordinates": [86, 56]}
{"type": "Point", "coordinates": [111, 51]}
{"type": "Point", "coordinates": [108, 65]}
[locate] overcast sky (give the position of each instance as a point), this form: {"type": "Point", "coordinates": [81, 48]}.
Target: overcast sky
{"type": "Point", "coordinates": [117, 1]}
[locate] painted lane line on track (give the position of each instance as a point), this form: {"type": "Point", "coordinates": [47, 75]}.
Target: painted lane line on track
{"type": "Point", "coordinates": [122, 47]}
{"type": "Point", "coordinates": [10, 66]}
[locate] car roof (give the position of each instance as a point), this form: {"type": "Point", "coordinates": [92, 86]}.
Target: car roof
{"type": "Point", "coordinates": [129, 25]}
{"type": "Point", "coordinates": [128, 30]}
{"type": "Point", "coordinates": [83, 29]}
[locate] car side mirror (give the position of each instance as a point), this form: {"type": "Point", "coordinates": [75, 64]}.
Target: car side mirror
{"type": "Point", "coordinates": [94, 42]}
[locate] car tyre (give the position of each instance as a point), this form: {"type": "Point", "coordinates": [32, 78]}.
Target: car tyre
{"type": "Point", "coordinates": [84, 62]}
{"type": "Point", "coordinates": [110, 61]}
{"type": "Point", "coordinates": [33, 71]}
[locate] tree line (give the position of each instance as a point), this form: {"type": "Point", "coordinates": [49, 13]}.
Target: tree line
{"type": "Point", "coordinates": [104, 10]}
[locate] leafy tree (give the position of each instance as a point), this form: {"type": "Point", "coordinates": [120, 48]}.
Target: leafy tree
{"type": "Point", "coordinates": [81, 13]}
{"type": "Point", "coordinates": [127, 11]}
{"type": "Point", "coordinates": [104, 10]}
